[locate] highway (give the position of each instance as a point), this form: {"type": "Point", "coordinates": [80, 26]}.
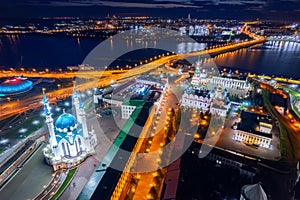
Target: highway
{"type": "Point", "coordinates": [60, 75]}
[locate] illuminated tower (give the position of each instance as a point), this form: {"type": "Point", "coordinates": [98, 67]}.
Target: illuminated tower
{"type": "Point", "coordinates": [189, 18]}
{"type": "Point", "coordinates": [76, 104]}
{"type": "Point", "coordinates": [196, 78]}
{"type": "Point", "coordinates": [82, 116]}
{"type": "Point", "coordinates": [49, 122]}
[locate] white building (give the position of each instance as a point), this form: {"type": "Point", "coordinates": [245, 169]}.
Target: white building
{"type": "Point", "coordinates": [219, 108]}
{"type": "Point", "coordinates": [215, 101]}
{"type": "Point", "coordinates": [229, 83]}
{"type": "Point", "coordinates": [127, 108]}
{"type": "Point", "coordinates": [70, 141]}
{"type": "Point", "coordinates": [198, 30]}
{"type": "Point", "coordinates": [220, 103]}
{"type": "Point", "coordinates": [200, 77]}
{"type": "Point", "coordinates": [254, 129]}
{"type": "Point", "coordinates": [200, 99]}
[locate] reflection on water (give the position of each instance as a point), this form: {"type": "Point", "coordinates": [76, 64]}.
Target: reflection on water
{"type": "Point", "coordinates": [36, 51]}
{"type": "Point", "coordinates": [272, 58]}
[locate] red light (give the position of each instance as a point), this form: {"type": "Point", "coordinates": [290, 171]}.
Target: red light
{"type": "Point", "coordinates": [13, 80]}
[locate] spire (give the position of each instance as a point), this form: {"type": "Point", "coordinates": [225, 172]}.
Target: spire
{"type": "Point", "coordinates": [45, 100]}
{"type": "Point", "coordinates": [47, 111]}
{"type": "Point", "coordinates": [46, 104]}
{"type": "Point", "coordinates": [74, 92]}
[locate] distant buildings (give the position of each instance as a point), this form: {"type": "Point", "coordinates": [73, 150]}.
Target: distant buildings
{"type": "Point", "coordinates": [82, 67]}
{"type": "Point", "coordinates": [70, 141]}
{"type": "Point", "coordinates": [198, 30]}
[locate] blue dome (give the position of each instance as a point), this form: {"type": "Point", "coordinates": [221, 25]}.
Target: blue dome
{"type": "Point", "coordinates": [65, 120]}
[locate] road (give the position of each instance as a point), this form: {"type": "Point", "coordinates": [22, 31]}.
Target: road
{"type": "Point", "coordinates": [29, 180]}
{"type": "Point", "coordinates": [60, 75]}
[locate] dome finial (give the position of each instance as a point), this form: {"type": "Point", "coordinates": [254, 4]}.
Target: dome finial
{"type": "Point", "coordinates": [64, 111]}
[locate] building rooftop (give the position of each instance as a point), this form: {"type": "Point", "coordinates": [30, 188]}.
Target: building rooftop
{"type": "Point", "coordinates": [251, 126]}
{"type": "Point", "coordinates": [256, 117]}
{"type": "Point", "coordinates": [133, 102]}
{"type": "Point", "coordinates": [201, 92]}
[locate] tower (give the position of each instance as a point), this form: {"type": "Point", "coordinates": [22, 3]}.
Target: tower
{"type": "Point", "coordinates": [82, 116]}
{"type": "Point", "coordinates": [76, 104]}
{"type": "Point", "coordinates": [196, 78]}
{"type": "Point", "coordinates": [197, 69]}
{"type": "Point", "coordinates": [49, 121]}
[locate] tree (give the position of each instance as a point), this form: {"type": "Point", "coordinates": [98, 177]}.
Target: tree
{"type": "Point", "coordinates": [153, 192]}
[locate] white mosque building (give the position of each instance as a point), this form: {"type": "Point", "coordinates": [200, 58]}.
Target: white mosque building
{"type": "Point", "coordinates": [70, 140]}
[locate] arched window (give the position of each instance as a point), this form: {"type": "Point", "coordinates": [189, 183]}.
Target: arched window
{"type": "Point", "coordinates": [76, 145]}
{"type": "Point", "coordinates": [79, 142]}
{"type": "Point", "coordinates": [64, 148]}
{"type": "Point", "coordinates": [68, 148]}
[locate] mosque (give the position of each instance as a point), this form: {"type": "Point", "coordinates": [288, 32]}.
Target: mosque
{"type": "Point", "coordinates": [70, 140]}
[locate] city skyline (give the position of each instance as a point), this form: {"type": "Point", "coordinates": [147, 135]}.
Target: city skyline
{"type": "Point", "coordinates": [139, 100]}
{"type": "Point", "coordinates": [283, 10]}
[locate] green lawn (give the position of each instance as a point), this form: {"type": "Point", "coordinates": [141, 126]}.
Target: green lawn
{"type": "Point", "coordinates": [68, 179]}
{"type": "Point", "coordinates": [287, 147]}
{"type": "Point", "coordinates": [296, 96]}
{"type": "Point", "coordinates": [294, 93]}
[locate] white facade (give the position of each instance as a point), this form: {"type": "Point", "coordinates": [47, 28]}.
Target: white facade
{"type": "Point", "coordinates": [215, 101]}
{"type": "Point", "coordinates": [265, 128]}
{"type": "Point", "coordinates": [198, 30]}
{"type": "Point", "coordinates": [219, 108]}
{"type": "Point", "coordinates": [195, 101]}
{"type": "Point", "coordinates": [229, 83]}
{"type": "Point", "coordinates": [200, 77]}
{"type": "Point", "coordinates": [251, 138]}
{"type": "Point", "coordinates": [127, 110]}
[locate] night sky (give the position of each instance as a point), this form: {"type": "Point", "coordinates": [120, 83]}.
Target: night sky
{"type": "Point", "coordinates": [284, 10]}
